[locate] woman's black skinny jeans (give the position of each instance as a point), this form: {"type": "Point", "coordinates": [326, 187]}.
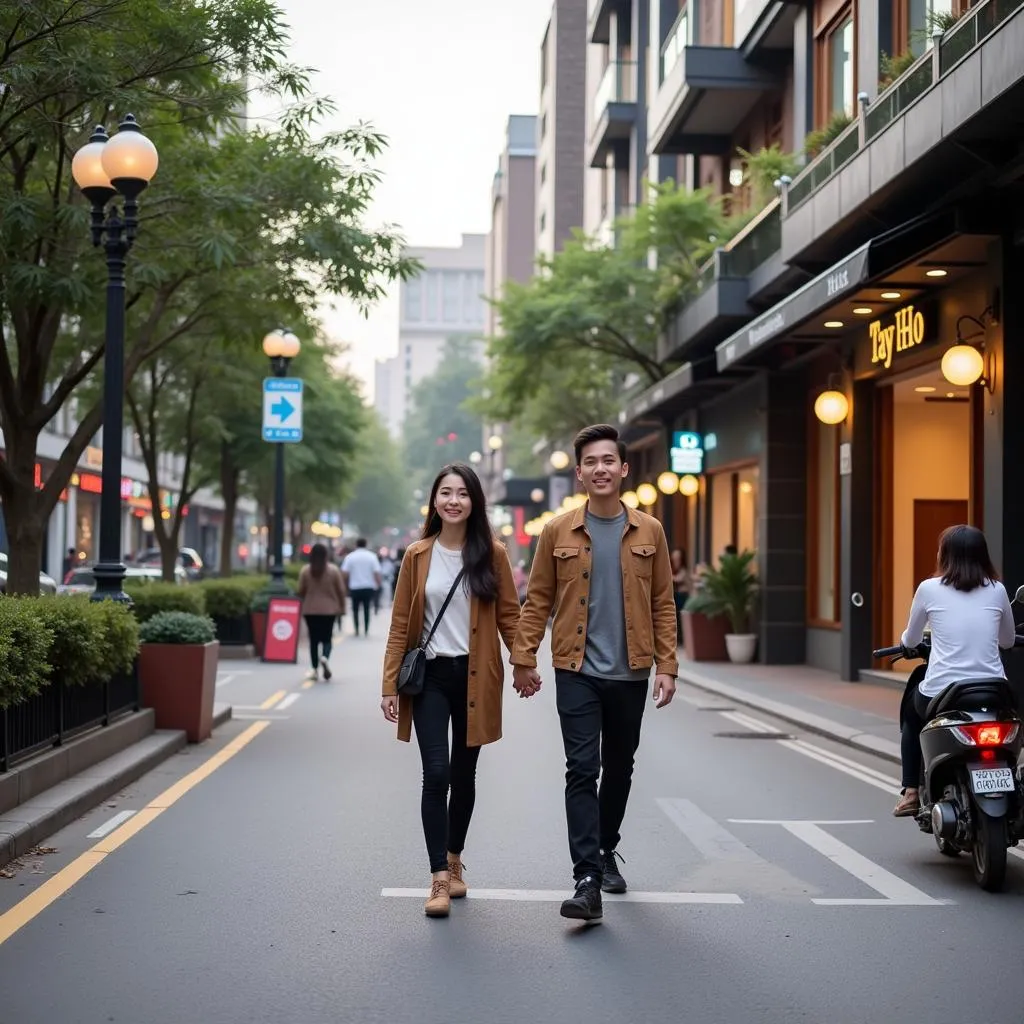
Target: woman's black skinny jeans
{"type": "Point", "coordinates": [445, 820]}
{"type": "Point", "coordinates": [914, 710]}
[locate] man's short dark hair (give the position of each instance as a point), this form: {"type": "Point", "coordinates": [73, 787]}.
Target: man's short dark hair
{"type": "Point", "coordinates": [361, 542]}
{"type": "Point", "coordinates": [597, 432]}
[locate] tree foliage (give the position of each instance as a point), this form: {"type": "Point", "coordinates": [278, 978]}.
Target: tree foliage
{"type": "Point", "coordinates": [381, 491]}
{"type": "Point", "coordinates": [588, 323]}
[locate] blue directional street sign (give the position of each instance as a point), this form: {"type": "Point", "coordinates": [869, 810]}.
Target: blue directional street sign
{"type": "Point", "coordinates": [282, 409]}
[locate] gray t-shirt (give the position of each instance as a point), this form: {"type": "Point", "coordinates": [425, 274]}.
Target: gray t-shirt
{"type": "Point", "coordinates": [606, 654]}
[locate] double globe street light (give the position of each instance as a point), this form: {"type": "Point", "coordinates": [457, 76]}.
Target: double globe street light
{"type": "Point", "coordinates": [280, 347]}
{"type": "Point", "coordinates": [103, 169]}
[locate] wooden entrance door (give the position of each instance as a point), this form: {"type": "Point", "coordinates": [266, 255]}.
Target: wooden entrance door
{"type": "Point", "coordinates": [931, 517]}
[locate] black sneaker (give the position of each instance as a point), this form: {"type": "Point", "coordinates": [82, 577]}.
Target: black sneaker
{"type": "Point", "coordinates": [585, 905]}
{"type": "Point", "coordinates": [326, 668]}
{"type": "Point", "coordinates": [612, 880]}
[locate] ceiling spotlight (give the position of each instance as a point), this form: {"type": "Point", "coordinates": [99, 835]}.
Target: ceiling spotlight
{"type": "Point", "coordinates": [891, 295]}
{"type": "Point", "coordinates": [935, 273]}
{"type": "Point", "coordinates": [863, 310]}
{"type": "Point", "coordinates": [833, 323]}
{"type": "Point", "coordinates": [925, 389]}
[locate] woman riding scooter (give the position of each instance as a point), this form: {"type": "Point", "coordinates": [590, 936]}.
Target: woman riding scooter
{"type": "Point", "coordinates": [969, 615]}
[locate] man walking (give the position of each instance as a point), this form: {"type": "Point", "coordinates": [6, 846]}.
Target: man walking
{"type": "Point", "coordinates": [362, 574]}
{"type": "Point", "coordinates": [605, 570]}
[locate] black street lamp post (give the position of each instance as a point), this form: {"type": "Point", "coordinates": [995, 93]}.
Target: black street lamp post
{"type": "Point", "coordinates": [281, 347]}
{"type": "Point", "coordinates": [104, 168]}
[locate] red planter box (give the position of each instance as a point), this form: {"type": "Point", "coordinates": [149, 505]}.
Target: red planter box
{"type": "Point", "coordinates": [704, 638]}
{"type": "Point", "coordinates": [178, 682]}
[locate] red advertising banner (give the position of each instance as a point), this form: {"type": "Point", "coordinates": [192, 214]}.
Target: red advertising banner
{"type": "Point", "coordinates": [281, 642]}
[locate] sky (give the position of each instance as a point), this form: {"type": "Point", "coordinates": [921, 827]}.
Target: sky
{"type": "Point", "coordinates": [439, 78]}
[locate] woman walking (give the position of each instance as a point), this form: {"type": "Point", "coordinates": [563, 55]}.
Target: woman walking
{"type": "Point", "coordinates": [457, 555]}
{"type": "Point", "coordinates": [322, 590]}
{"type": "Point", "coordinates": [681, 587]}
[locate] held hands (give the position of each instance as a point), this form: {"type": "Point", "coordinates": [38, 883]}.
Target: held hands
{"type": "Point", "coordinates": [664, 690]}
{"type": "Point", "coordinates": [525, 681]}
{"type": "Point", "coordinates": [389, 705]}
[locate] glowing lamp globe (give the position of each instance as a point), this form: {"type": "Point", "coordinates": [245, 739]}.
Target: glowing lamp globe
{"type": "Point", "coordinates": [689, 485]}
{"type": "Point", "coordinates": [647, 494]}
{"type": "Point", "coordinates": [962, 365]}
{"type": "Point", "coordinates": [831, 407]}
{"type": "Point", "coordinates": [631, 499]}
{"type": "Point", "coordinates": [668, 483]}
{"type": "Point", "coordinates": [129, 156]}
{"type": "Point", "coordinates": [87, 165]}
{"type": "Point", "coordinates": [537, 495]}
{"type": "Point", "coordinates": [559, 460]}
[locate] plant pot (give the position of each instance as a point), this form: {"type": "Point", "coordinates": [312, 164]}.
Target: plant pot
{"type": "Point", "coordinates": [704, 637]}
{"type": "Point", "coordinates": [178, 681]}
{"type": "Point", "coordinates": [741, 647]}
{"type": "Point", "coordinates": [259, 631]}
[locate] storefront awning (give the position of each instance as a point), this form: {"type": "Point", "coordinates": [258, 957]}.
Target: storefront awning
{"type": "Point", "coordinates": [683, 388]}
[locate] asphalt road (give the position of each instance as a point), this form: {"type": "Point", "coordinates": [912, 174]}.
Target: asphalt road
{"type": "Point", "coordinates": [769, 883]}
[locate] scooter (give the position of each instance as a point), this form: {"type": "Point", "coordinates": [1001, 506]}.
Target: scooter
{"type": "Point", "coordinates": [972, 793]}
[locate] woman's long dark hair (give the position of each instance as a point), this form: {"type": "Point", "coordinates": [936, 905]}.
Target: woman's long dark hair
{"type": "Point", "coordinates": [318, 560]}
{"type": "Point", "coordinates": [964, 561]}
{"type": "Point", "coordinates": [478, 552]}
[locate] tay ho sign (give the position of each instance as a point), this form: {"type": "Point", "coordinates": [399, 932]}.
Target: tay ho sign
{"type": "Point", "coordinates": [686, 456]}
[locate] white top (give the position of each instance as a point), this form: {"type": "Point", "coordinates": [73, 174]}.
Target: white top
{"type": "Point", "coordinates": [968, 627]}
{"type": "Point", "coordinates": [361, 565]}
{"type": "Point", "coordinates": [452, 637]}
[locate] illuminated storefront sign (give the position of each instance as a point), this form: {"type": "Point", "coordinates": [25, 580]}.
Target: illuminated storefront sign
{"type": "Point", "coordinates": [686, 456]}
{"type": "Point", "coordinates": [902, 333]}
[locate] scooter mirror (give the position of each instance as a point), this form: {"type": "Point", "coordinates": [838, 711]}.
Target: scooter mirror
{"type": "Point", "coordinates": [1018, 598]}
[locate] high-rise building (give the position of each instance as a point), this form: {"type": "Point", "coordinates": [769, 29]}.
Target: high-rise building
{"type": "Point", "coordinates": [446, 300]}
{"type": "Point", "coordinates": [561, 129]}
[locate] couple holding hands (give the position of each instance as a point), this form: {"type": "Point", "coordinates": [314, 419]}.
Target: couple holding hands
{"type": "Point", "coordinates": [604, 570]}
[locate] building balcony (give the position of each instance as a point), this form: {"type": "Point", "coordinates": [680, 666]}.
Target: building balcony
{"type": "Point", "coordinates": [599, 16]}
{"type": "Point", "coordinates": [614, 113]}
{"type": "Point", "coordinates": [706, 93]}
{"type": "Point", "coordinates": [723, 288]}
{"type": "Point", "coordinates": [954, 108]}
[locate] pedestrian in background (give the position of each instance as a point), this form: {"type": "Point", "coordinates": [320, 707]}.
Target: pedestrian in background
{"type": "Point", "coordinates": [322, 590]}
{"type": "Point", "coordinates": [605, 570]}
{"type": "Point", "coordinates": [361, 570]}
{"type": "Point", "coordinates": [681, 587]}
{"type": "Point", "coordinates": [457, 556]}
{"type": "Point", "coordinates": [388, 570]}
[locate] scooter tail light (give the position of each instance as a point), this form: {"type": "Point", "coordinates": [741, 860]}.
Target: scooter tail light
{"type": "Point", "coordinates": [986, 734]}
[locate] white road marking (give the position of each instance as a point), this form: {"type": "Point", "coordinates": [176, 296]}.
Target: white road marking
{"type": "Point", "coordinates": [894, 890]}
{"type": "Point", "coordinates": [109, 826]}
{"type": "Point", "coordinates": [227, 679]}
{"type": "Point", "coordinates": [557, 895]}
{"type": "Point", "coordinates": [288, 701]}
{"type": "Point", "coordinates": [712, 840]}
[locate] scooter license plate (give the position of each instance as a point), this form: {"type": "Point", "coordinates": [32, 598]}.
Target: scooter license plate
{"type": "Point", "coordinates": [992, 780]}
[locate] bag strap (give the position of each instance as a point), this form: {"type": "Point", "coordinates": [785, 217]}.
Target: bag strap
{"type": "Point", "coordinates": [444, 608]}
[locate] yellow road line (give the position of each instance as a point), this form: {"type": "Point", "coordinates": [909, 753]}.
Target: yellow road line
{"type": "Point", "coordinates": [272, 700]}
{"type": "Point", "coordinates": [53, 888]}
{"type": "Point", "coordinates": [308, 684]}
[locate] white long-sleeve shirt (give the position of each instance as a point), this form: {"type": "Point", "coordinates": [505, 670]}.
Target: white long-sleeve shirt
{"type": "Point", "coordinates": [967, 629]}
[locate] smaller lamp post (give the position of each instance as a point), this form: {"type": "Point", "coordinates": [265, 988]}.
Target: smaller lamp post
{"type": "Point", "coordinates": [103, 169]}
{"type": "Point", "coordinates": [280, 347]}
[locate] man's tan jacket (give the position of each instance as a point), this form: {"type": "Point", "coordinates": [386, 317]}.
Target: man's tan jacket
{"type": "Point", "coordinates": [560, 579]}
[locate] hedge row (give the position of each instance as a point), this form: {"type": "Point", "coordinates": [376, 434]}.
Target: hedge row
{"type": "Point", "coordinates": [231, 597]}
{"type": "Point", "coordinates": [80, 642]}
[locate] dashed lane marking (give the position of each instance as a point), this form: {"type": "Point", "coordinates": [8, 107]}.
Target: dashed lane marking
{"type": "Point", "coordinates": [273, 699]}
{"type": "Point", "coordinates": [109, 826]}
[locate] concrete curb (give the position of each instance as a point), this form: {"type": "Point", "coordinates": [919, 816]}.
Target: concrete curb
{"type": "Point", "coordinates": [865, 741]}
{"type": "Point", "coordinates": [28, 824]}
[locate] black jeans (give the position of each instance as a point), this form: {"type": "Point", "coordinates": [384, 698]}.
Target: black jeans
{"type": "Point", "coordinates": [601, 721]}
{"type": "Point", "coordinates": [320, 629]}
{"type": "Point", "coordinates": [361, 599]}
{"type": "Point", "coordinates": [445, 821]}
{"type": "Point", "coordinates": [913, 711]}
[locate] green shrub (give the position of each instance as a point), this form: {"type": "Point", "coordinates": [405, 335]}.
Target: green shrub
{"type": "Point", "coordinates": [24, 652]}
{"type": "Point", "coordinates": [820, 139]}
{"type": "Point", "coordinates": [150, 599]}
{"type": "Point", "coordinates": [122, 631]}
{"type": "Point", "coordinates": [230, 598]}
{"type": "Point", "coordinates": [261, 599]}
{"type": "Point", "coordinates": [891, 68]}
{"type": "Point", "coordinates": [177, 628]}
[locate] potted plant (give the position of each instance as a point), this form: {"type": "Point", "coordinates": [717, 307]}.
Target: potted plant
{"type": "Point", "coordinates": [730, 591]}
{"type": "Point", "coordinates": [227, 603]}
{"type": "Point", "coordinates": [178, 671]}
{"type": "Point", "coordinates": [703, 634]}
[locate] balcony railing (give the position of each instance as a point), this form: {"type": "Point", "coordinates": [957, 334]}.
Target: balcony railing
{"type": "Point", "coordinates": [747, 249]}
{"type": "Point", "coordinates": [677, 40]}
{"type": "Point", "coordinates": [953, 46]}
{"type": "Point", "coordinates": [618, 85]}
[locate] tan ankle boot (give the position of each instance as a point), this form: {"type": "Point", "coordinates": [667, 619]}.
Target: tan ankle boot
{"type": "Point", "coordinates": [457, 887]}
{"type": "Point", "coordinates": [439, 902]}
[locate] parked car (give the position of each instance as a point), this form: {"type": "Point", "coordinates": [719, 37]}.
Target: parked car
{"type": "Point", "coordinates": [83, 581]}
{"type": "Point", "coordinates": [188, 559]}
{"type": "Point", "coordinates": [47, 585]}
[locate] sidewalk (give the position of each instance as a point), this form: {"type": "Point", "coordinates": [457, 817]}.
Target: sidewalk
{"type": "Point", "coordinates": [863, 715]}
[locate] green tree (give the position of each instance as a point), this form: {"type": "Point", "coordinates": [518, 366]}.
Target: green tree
{"type": "Point", "coordinates": [381, 491]}
{"type": "Point", "coordinates": [440, 426]}
{"type": "Point", "coordinates": [222, 199]}
{"type": "Point", "coordinates": [588, 324]}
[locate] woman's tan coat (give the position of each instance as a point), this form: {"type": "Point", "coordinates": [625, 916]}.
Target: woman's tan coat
{"type": "Point", "coordinates": [487, 620]}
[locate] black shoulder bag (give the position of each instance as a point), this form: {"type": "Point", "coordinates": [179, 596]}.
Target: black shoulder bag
{"type": "Point", "coordinates": [414, 664]}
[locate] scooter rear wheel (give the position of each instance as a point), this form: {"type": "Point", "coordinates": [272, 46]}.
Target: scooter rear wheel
{"type": "Point", "coordinates": [989, 852]}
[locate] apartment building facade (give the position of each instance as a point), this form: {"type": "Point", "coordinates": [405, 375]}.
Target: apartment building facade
{"type": "Point", "coordinates": [845, 371]}
{"type": "Point", "coordinates": [445, 301]}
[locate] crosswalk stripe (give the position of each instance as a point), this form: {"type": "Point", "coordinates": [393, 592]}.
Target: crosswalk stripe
{"type": "Point", "coordinates": [712, 840]}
